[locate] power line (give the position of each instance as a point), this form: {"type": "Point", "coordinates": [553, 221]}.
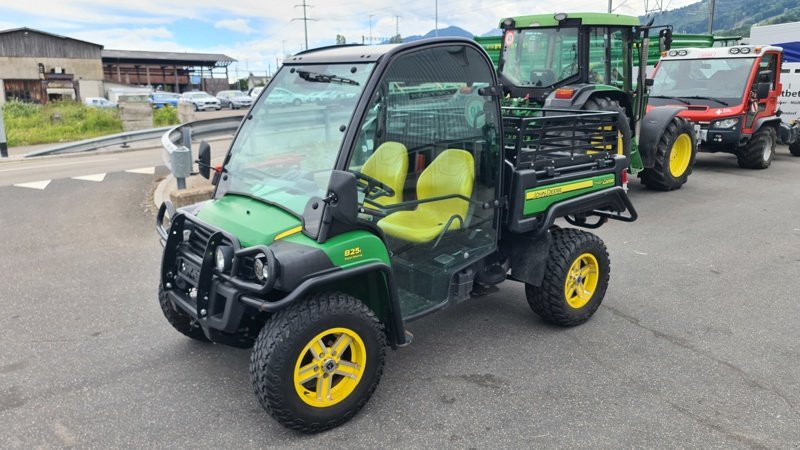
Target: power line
{"type": "Point", "coordinates": [305, 20]}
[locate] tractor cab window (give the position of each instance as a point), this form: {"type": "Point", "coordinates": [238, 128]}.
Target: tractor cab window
{"type": "Point", "coordinates": [767, 70]}
{"type": "Point", "coordinates": [607, 56]}
{"type": "Point", "coordinates": [427, 160]}
{"type": "Point", "coordinates": [541, 56]}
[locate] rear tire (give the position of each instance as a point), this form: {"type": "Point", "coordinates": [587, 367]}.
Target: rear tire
{"type": "Point", "coordinates": [313, 393]}
{"type": "Point", "coordinates": [675, 155]}
{"type": "Point", "coordinates": [178, 319]}
{"type": "Point", "coordinates": [794, 149]}
{"type": "Point", "coordinates": [623, 124]}
{"type": "Point", "coordinates": [757, 153]}
{"type": "Point", "coordinates": [575, 280]}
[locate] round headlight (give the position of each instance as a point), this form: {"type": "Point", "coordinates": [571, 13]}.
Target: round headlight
{"type": "Point", "coordinates": [682, 52]}
{"type": "Point", "coordinates": [745, 50]}
{"type": "Point", "coordinates": [673, 53]}
{"type": "Point", "coordinates": [734, 50]}
{"type": "Point", "coordinates": [223, 257]}
{"type": "Point", "coordinates": [260, 268]}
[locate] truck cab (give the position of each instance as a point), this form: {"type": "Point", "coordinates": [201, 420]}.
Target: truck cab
{"type": "Point", "coordinates": [731, 96]}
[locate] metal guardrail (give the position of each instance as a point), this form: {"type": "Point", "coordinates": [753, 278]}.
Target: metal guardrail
{"type": "Point", "coordinates": [121, 139]}
{"type": "Point", "coordinates": [177, 143]}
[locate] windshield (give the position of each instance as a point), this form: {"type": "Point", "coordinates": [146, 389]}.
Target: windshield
{"type": "Point", "coordinates": [712, 81]}
{"type": "Point", "coordinates": [540, 57]}
{"type": "Point", "coordinates": [288, 145]}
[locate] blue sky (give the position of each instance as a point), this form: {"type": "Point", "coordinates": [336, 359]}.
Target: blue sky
{"type": "Point", "coordinates": [259, 33]}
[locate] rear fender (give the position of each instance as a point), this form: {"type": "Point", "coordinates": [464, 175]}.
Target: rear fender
{"type": "Point", "coordinates": [584, 93]}
{"type": "Point", "coordinates": [653, 126]}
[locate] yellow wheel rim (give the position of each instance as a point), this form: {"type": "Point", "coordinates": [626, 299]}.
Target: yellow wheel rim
{"type": "Point", "coordinates": [330, 367]}
{"type": "Point", "coordinates": [582, 279]}
{"type": "Point", "coordinates": [680, 155]}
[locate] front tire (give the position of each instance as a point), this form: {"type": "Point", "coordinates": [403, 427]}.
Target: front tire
{"type": "Point", "coordinates": [316, 363]}
{"type": "Point", "coordinates": [675, 155]}
{"type": "Point", "coordinates": [794, 149]}
{"type": "Point", "coordinates": [178, 319]}
{"type": "Point", "coordinates": [757, 153]}
{"type": "Point", "coordinates": [575, 280]}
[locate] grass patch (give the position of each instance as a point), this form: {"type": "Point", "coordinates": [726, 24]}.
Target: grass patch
{"type": "Point", "coordinates": [165, 116]}
{"type": "Point", "coordinates": [29, 124]}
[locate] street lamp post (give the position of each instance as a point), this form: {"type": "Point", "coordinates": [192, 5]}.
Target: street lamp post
{"type": "Point", "coordinates": [370, 28]}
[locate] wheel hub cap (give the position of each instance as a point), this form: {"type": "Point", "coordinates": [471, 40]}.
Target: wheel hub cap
{"type": "Point", "coordinates": [680, 156]}
{"type": "Point", "coordinates": [581, 280]}
{"type": "Point", "coordinates": [330, 367]}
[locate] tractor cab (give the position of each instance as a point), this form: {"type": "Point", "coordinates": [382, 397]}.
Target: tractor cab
{"type": "Point", "coordinates": [544, 52]}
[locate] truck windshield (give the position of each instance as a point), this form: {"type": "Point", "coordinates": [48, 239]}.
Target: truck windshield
{"type": "Point", "coordinates": [711, 82]}
{"type": "Point", "coordinates": [541, 56]}
{"type": "Point", "coordinates": [290, 141]}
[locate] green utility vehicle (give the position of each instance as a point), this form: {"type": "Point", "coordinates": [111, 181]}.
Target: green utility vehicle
{"type": "Point", "coordinates": [332, 227]}
{"type": "Point", "coordinates": [586, 61]}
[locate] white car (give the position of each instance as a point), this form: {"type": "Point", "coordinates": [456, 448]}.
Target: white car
{"type": "Point", "coordinates": [201, 100]}
{"type": "Point", "coordinates": [99, 102]}
{"type": "Point", "coordinates": [255, 91]}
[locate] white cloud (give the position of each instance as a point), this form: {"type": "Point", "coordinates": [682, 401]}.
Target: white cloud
{"type": "Point", "coordinates": [153, 39]}
{"type": "Point", "coordinates": [239, 25]}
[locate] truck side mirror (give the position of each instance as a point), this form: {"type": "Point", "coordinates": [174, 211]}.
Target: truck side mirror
{"type": "Point", "coordinates": [343, 197]}
{"type": "Point", "coordinates": [204, 159]}
{"type": "Point", "coordinates": [649, 82]}
{"type": "Point", "coordinates": [664, 40]}
{"type": "Point", "coordinates": [762, 90]}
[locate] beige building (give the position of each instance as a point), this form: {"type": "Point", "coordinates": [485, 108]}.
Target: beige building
{"type": "Point", "coordinates": [36, 66]}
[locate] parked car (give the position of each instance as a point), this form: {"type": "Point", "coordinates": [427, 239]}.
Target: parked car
{"type": "Point", "coordinates": [253, 93]}
{"type": "Point", "coordinates": [201, 100]}
{"type": "Point", "coordinates": [162, 99]}
{"type": "Point", "coordinates": [99, 102]}
{"type": "Point", "coordinates": [281, 96]}
{"type": "Point", "coordinates": [234, 99]}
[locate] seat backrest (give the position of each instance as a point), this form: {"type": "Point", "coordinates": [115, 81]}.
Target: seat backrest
{"type": "Point", "coordinates": [389, 165]}
{"type": "Point", "coordinates": [452, 172]}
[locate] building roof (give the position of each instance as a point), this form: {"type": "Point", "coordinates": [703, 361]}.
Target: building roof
{"type": "Point", "coordinates": [57, 36]}
{"type": "Point", "coordinates": [169, 58]}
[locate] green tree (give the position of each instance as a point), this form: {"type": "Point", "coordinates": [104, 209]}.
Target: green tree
{"type": "Point", "coordinates": [340, 40]}
{"type": "Point", "coordinates": [396, 39]}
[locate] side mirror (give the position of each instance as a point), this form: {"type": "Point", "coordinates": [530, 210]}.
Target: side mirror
{"type": "Point", "coordinates": [343, 197]}
{"type": "Point", "coordinates": [664, 40]}
{"type": "Point", "coordinates": [649, 82]}
{"type": "Point", "coordinates": [762, 90]}
{"type": "Point", "coordinates": [204, 159]}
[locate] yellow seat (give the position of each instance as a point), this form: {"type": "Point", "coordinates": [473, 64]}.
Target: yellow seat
{"type": "Point", "coordinates": [389, 165]}
{"type": "Point", "coordinates": [452, 172]}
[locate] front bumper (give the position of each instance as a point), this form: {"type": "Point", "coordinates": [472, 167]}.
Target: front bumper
{"type": "Point", "coordinates": [720, 139]}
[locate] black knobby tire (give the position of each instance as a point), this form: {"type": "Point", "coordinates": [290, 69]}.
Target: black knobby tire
{"type": "Point", "coordinates": [178, 319]}
{"type": "Point", "coordinates": [757, 153]}
{"type": "Point", "coordinates": [623, 124]}
{"type": "Point", "coordinates": [549, 300]}
{"type": "Point", "coordinates": [794, 149]}
{"type": "Point", "coordinates": [196, 108]}
{"type": "Point", "coordinates": [281, 342]}
{"type": "Point", "coordinates": [660, 176]}
{"type": "Point", "coordinates": [297, 102]}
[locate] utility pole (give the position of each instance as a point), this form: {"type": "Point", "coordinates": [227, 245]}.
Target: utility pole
{"type": "Point", "coordinates": [436, 28]}
{"type": "Point", "coordinates": [397, 25]}
{"type": "Point", "coordinates": [370, 28]}
{"type": "Point", "coordinates": [711, 17]}
{"type": "Point", "coordinates": [305, 20]}
{"type": "Point", "coordinates": [609, 6]}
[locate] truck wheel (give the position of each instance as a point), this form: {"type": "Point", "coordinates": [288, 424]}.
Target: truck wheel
{"type": "Point", "coordinates": [178, 319]}
{"type": "Point", "coordinates": [757, 153]}
{"type": "Point", "coordinates": [623, 125]}
{"type": "Point", "coordinates": [316, 363]}
{"type": "Point", "coordinates": [575, 279]}
{"type": "Point", "coordinates": [794, 149]}
{"type": "Point", "coordinates": [675, 156]}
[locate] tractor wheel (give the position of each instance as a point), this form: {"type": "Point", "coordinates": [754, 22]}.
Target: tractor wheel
{"type": "Point", "coordinates": [178, 319]}
{"type": "Point", "coordinates": [794, 149]}
{"type": "Point", "coordinates": [675, 156]}
{"type": "Point", "coordinates": [575, 279]}
{"type": "Point", "coordinates": [623, 125]}
{"type": "Point", "coordinates": [316, 363]}
{"type": "Point", "coordinates": [757, 153]}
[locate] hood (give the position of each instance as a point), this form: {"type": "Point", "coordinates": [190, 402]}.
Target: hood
{"type": "Point", "coordinates": [253, 222]}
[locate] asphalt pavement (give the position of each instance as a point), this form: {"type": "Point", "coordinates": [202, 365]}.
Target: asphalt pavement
{"type": "Point", "coordinates": [695, 346]}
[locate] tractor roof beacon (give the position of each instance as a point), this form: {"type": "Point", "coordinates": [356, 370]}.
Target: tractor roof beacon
{"type": "Point", "coordinates": [333, 226]}
{"type": "Point", "coordinates": [732, 97]}
{"type": "Point", "coordinates": [598, 61]}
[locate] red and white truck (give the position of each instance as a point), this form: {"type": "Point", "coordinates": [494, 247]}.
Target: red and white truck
{"type": "Point", "coordinates": [731, 96]}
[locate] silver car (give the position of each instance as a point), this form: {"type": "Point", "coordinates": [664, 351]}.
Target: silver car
{"type": "Point", "coordinates": [234, 99]}
{"type": "Point", "coordinates": [201, 100]}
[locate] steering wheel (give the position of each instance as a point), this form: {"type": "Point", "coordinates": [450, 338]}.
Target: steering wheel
{"type": "Point", "coordinates": [372, 187]}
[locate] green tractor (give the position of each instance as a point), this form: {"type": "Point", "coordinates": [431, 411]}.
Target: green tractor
{"type": "Point", "coordinates": [597, 62]}
{"type": "Point", "coordinates": [334, 225]}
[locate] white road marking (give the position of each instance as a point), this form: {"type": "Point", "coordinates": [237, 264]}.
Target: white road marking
{"type": "Point", "coordinates": [143, 170]}
{"type": "Point", "coordinates": [95, 177]}
{"type": "Point", "coordinates": [34, 185]}
{"type": "Point", "coordinates": [46, 166]}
